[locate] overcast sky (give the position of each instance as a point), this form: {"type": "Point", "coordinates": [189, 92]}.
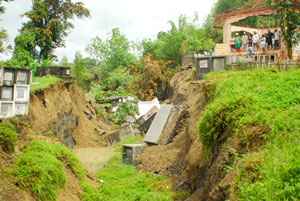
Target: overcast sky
{"type": "Point", "coordinates": [137, 19]}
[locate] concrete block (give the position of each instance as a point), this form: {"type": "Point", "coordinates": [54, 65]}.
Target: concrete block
{"type": "Point", "coordinates": [6, 109]}
{"type": "Point", "coordinates": [121, 134]}
{"type": "Point", "coordinates": [130, 151]}
{"type": "Point", "coordinates": [9, 77]}
{"type": "Point", "coordinates": [21, 108]}
{"type": "Point", "coordinates": [7, 93]}
{"type": "Point", "coordinates": [22, 93]}
{"type": "Point", "coordinates": [158, 124]}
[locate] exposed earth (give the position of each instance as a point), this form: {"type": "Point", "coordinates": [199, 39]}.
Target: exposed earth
{"type": "Point", "coordinates": [93, 158]}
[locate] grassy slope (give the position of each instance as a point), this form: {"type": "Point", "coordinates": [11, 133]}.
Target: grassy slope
{"type": "Point", "coordinates": [121, 182]}
{"type": "Point", "coordinates": [44, 82]}
{"type": "Point", "coordinates": [40, 166]}
{"type": "Point", "coordinates": [269, 101]}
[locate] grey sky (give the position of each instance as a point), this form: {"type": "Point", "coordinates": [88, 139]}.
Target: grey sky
{"type": "Point", "coordinates": [137, 19]}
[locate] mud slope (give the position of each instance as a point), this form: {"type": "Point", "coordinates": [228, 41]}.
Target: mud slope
{"type": "Point", "coordinates": [182, 159]}
{"type": "Point", "coordinates": [62, 112]}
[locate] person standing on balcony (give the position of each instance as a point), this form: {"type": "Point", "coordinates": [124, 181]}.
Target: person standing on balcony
{"type": "Point", "coordinates": [263, 42]}
{"type": "Point", "coordinates": [237, 42]}
{"type": "Point", "coordinates": [277, 38]}
{"type": "Point", "coordinates": [269, 37]}
{"type": "Point", "coordinates": [255, 40]}
{"type": "Point", "coordinates": [245, 42]}
{"type": "Point", "coordinates": [250, 41]}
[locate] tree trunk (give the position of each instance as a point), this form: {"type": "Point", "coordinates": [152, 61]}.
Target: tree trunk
{"type": "Point", "coordinates": [290, 51]}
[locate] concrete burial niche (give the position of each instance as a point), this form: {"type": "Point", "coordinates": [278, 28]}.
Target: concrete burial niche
{"type": "Point", "coordinates": [14, 91]}
{"type": "Point", "coordinates": [58, 71]}
{"type": "Point", "coordinates": [22, 93]}
{"type": "Point", "coordinates": [130, 151]}
{"type": "Point", "coordinates": [21, 109]}
{"type": "Point", "coordinates": [23, 77]}
{"type": "Point", "coordinates": [8, 77]}
{"type": "Point", "coordinates": [7, 93]}
{"type": "Point", "coordinates": [205, 65]}
{"type": "Point", "coordinates": [7, 109]}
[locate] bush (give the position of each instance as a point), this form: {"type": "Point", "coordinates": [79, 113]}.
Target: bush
{"type": "Point", "coordinates": [8, 137]}
{"type": "Point", "coordinates": [45, 82]}
{"type": "Point", "coordinates": [40, 167]}
{"type": "Point", "coordinates": [129, 108]}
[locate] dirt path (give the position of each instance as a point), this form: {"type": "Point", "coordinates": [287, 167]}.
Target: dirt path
{"type": "Point", "coordinates": [93, 158]}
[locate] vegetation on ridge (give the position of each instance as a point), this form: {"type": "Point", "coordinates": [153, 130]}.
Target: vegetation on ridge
{"type": "Point", "coordinates": [258, 105]}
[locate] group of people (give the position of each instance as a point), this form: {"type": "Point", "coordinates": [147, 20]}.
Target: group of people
{"type": "Point", "coordinates": [249, 42]}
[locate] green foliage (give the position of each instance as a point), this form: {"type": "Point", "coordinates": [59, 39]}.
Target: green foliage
{"type": "Point", "coordinates": [128, 108]}
{"type": "Point", "coordinates": [39, 166]}
{"type": "Point", "coordinates": [113, 52]}
{"type": "Point", "coordinates": [49, 22]}
{"type": "Point", "coordinates": [121, 182]}
{"type": "Point", "coordinates": [89, 192]}
{"type": "Point", "coordinates": [287, 16]}
{"type": "Point", "coordinates": [45, 82]}
{"type": "Point", "coordinates": [258, 104]}
{"type": "Point", "coordinates": [79, 71]}
{"type": "Point", "coordinates": [118, 77]}
{"type": "Point", "coordinates": [3, 32]}
{"type": "Point", "coordinates": [8, 137]}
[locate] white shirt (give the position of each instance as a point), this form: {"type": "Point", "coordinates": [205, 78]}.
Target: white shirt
{"type": "Point", "coordinates": [245, 39]}
{"type": "Point", "coordinates": [276, 35]}
{"type": "Point", "coordinates": [255, 38]}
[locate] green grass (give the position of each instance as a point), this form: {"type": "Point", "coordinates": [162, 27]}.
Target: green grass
{"type": "Point", "coordinates": [120, 182]}
{"type": "Point", "coordinates": [270, 102]}
{"type": "Point", "coordinates": [44, 82]}
{"type": "Point", "coordinates": [132, 140]}
{"type": "Point", "coordinates": [8, 137]}
{"type": "Point", "coordinates": [40, 167]}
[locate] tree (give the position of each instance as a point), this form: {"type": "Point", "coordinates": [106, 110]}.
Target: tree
{"type": "Point", "coordinates": [150, 78]}
{"type": "Point", "coordinates": [50, 20]}
{"type": "Point", "coordinates": [113, 52]}
{"type": "Point", "coordinates": [3, 32]}
{"type": "Point", "coordinates": [288, 16]}
{"type": "Point", "coordinates": [79, 70]}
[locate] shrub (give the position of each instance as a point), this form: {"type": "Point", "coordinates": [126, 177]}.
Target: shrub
{"type": "Point", "coordinates": [40, 167]}
{"type": "Point", "coordinates": [8, 137]}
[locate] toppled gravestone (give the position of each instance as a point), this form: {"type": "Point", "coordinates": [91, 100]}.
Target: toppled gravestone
{"type": "Point", "coordinates": [164, 126]}
{"type": "Point", "coordinates": [121, 134]}
{"type": "Point", "coordinates": [146, 120]}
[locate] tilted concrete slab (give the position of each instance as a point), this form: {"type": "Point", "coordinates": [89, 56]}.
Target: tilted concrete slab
{"type": "Point", "coordinates": [121, 134]}
{"type": "Point", "coordinates": [158, 124]}
{"type": "Point", "coordinates": [172, 125]}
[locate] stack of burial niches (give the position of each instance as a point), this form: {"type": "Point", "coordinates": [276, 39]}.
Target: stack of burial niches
{"type": "Point", "coordinates": [15, 91]}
